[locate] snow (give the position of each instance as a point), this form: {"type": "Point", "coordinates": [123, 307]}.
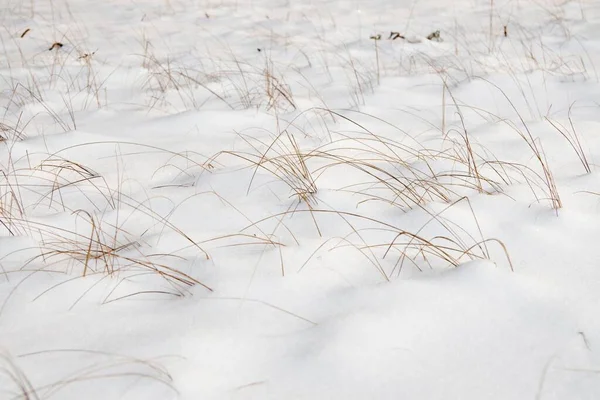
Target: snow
{"type": "Point", "coordinates": [255, 200]}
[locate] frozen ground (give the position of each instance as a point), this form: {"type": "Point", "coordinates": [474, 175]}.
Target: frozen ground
{"type": "Point", "coordinates": [257, 200]}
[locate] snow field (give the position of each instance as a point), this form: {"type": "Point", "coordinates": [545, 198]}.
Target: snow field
{"type": "Point", "coordinates": [238, 200]}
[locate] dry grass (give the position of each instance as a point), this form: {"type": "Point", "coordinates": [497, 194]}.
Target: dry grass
{"type": "Point", "coordinates": [18, 385]}
{"type": "Point", "coordinates": [101, 366]}
{"type": "Point", "coordinates": [96, 240]}
{"type": "Point", "coordinates": [236, 83]}
{"type": "Point", "coordinates": [573, 139]}
{"type": "Point", "coordinates": [536, 148]}
{"type": "Point", "coordinates": [386, 171]}
{"type": "Point", "coordinates": [85, 243]}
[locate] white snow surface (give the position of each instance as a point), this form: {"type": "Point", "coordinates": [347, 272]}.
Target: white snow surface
{"type": "Point", "coordinates": [223, 199]}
